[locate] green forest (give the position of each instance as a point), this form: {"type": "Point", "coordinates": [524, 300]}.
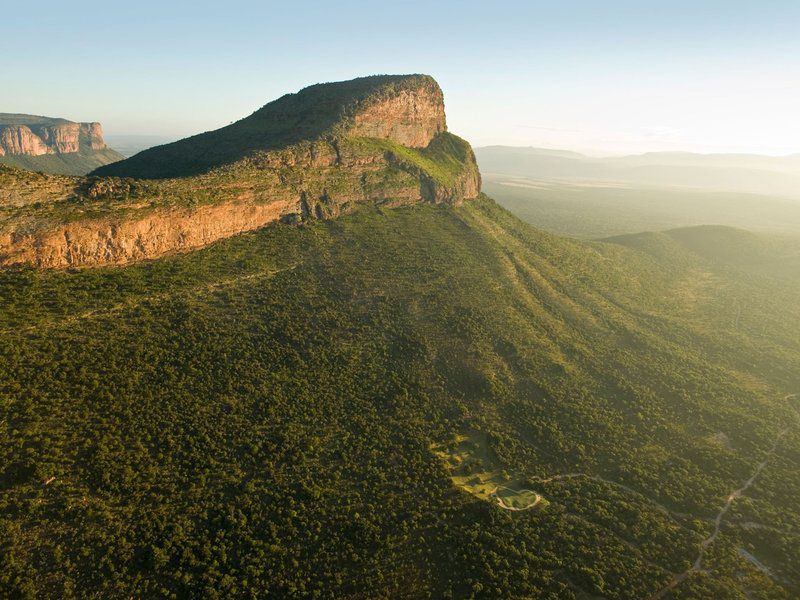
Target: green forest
{"type": "Point", "coordinates": [264, 417]}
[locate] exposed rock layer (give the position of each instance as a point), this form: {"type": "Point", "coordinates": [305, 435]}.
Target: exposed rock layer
{"type": "Point", "coordinates": [55, 146]}
{"type": "Point", "coordinates": [405, 109]}
{"type": "Point", "coordinates": [119, 241]}
{"type": "Point", "coordinates": [296, 186]}
{"type": "Point", "coordinates": [411, 118]}
{"type": "Point", "coordinates": [62, 137]}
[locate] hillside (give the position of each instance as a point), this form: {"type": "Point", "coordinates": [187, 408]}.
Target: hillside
{"type": "Point", "coordinates": [53, 145]}
{"type": "Point", "coordinates": [323, 411]}
{"type": "Point", "coordinates": [343, 372]}
{"type": "Point", "coordinates": [727, 247]}
{"type": "Point", "coordinates": [315, 154]}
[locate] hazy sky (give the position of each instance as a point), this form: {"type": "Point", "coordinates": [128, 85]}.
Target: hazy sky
{"type": "Point", "coordinates": [600, 75]}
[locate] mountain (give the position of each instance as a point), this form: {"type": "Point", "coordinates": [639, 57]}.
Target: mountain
{"type": "Point", "coordinates": [407, 110]}
{"type": "Point", "coordinates": [53, 145]}
{"type": "Point", "coordinates": [397, 389]}
{"type": "Point", "coordinates": [314, 154]}
{"type": "Point", "coordinates": [728, 247]}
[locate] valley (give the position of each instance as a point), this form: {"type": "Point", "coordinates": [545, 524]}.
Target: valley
{"type": "Point", "coordinates": [597, 210]}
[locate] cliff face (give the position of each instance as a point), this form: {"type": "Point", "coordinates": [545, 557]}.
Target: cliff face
{"type": "Point", "coordinates": [120, 241]}
{"type": "Point", "coordinates": [52, 145]}
{"type": "Point", "coordinates": [61, 137]}
{"type": "Point", "coordinates": [388, 146]}
{"type": "Point", "coordinates": [412, 117]}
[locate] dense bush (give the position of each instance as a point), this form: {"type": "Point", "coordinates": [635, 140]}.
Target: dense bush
{"type": "Point", "coordinates": [256, 419]}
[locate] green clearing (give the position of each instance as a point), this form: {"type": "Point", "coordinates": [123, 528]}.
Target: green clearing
{"type": "Point", "coordinates": [475, 469]}
{"type": "Point", "coordinates": [446, 159]}
{"type": "Point", "coordinates": [512, 499]}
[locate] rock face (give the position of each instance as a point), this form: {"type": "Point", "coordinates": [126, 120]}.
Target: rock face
{"type": "Point", "coordinates": [412, 117]}
{"type": "Point", "coordinates": [52, 145]}
{"type": "Point", "coordinates": [374, 140]}
{"type": "Point", "coordinates": [96, 243]}
{"type": "Point", "coordinates": [36, 136]}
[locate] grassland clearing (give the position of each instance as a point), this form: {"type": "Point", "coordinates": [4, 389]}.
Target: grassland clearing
{"type": "Point", "coordinates": [474, 468]}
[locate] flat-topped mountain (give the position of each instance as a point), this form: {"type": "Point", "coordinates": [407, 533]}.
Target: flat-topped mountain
{"type": "Point", "coordinates": [314, 154]}
{"type": "Point", "coordinates": [405, 109]}
{"type": "Point", "coordinates": [53, 145]}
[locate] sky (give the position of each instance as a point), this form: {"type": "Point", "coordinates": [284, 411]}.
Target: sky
{"type": "Point", "coordinates": [601, 76]}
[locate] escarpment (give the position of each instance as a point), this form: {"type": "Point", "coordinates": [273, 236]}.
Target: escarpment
{"type": "Point", "coordinates": [311, 155]}
{"type": "Point", "coordinates": [53, 145]}
{"type": "Point", "coordinates": [62, 138]}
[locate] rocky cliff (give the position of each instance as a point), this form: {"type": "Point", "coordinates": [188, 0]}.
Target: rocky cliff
{"type": "Point", "coordinates": [52, 145]}
{"type": "Point", "coordinates": [63, 138]}
{"type": "Point", "coordinates": [411, 117]}
{"type": "Point", "coordinates": [314, 154]}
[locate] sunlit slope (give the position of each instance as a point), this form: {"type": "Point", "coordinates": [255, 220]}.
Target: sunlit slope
{"type": "Point", "coordinates": [267, 416]}
{"type": "Point", "coordinates": [744, 252]}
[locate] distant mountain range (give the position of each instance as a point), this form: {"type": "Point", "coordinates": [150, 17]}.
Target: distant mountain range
{"type": "Point", "coordinates": [53, 145]}
{"type": "Point", "coordinates": [747, 173]}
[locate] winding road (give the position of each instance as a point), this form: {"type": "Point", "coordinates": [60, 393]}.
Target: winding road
{"type": "Point", "coordinates": [707, 542]}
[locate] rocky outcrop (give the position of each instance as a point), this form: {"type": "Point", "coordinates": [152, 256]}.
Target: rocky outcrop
{"type": "Point", "coordinates": [319, 181]}
{"type": "Point", "coordinates": [377, 140]}
{"type": "Point", "coordinates": [119, 241]}
{"type": "Point", "coordinates": [412, 117]}
{"type": "Point", "coordinates": [54, 146]}
{"type": "Point", "coordinates": [39, 136]}
{"type": "Point", "coordinates": [19, 139]}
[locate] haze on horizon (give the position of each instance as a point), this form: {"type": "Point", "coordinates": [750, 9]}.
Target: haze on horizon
{"type": "Point", "coordinates": [603, 78]}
